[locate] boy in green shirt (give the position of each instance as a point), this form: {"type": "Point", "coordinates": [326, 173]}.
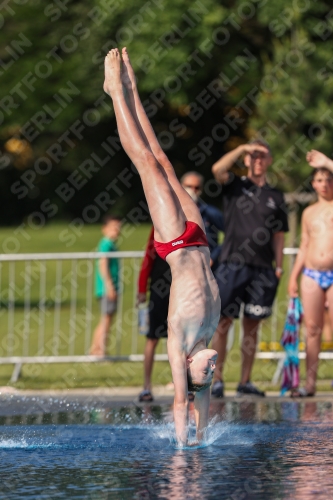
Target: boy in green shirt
{"type": "Point", "coordinates": [106, 283]}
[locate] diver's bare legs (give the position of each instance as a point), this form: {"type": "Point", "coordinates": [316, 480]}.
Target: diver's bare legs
{"type": "Point", "coordinates": [163, 205]}
{"type": "Point", "coordinates": [190, 209]}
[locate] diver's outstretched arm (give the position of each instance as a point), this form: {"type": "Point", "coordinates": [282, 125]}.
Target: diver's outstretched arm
{"type": "Point", "coordinates": [201, 412]}
{"type": "Point", "coordinates": [178, 363]}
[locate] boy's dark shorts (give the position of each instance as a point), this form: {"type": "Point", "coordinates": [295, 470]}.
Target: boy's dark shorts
{"type": "Point", "coordinates": [254, 286]}
{"type": "Point", "coordinates": [158, 315]}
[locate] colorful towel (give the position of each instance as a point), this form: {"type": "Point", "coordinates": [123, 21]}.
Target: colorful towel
{"type": "Point", "coordinates": [290, 341]}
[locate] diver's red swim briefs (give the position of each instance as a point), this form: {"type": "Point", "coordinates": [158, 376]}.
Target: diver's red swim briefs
{"type": "Point", "coordinates": [191, 237]}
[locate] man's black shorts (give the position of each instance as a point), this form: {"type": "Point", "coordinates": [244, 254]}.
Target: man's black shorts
{"type": "Point", "coordinates": [254, 286]}
{"type": "Point", "coordinates": [158, 314]}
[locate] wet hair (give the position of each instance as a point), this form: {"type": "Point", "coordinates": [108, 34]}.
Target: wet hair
{"type": "Point", "coordinates": [261, 142]}
{"type": "Point", "coordinates": [322, 170]}
{"type": "Point", "coordinates": [194, 387]}
{"type": "Point", "coordinates": [196, 174]}
{"type": "Point", "coordinates": [109, 218]}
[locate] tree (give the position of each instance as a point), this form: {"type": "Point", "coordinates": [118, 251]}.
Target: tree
{"type": "Point", "coordinates": [292, 110]}
{"type": "Point", "coordinates": [210, 74]}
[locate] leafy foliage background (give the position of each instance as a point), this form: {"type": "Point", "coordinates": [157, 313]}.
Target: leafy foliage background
{"type": "Point", "coordinates": [273, 61]}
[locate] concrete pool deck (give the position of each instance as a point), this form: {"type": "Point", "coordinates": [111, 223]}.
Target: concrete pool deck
{"type": "Point", "coordinates": [129, 395]}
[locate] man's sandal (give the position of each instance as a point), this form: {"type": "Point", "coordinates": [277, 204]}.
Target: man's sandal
{"type": "Point", "coordinates": [301, 393]}
{"type": "Point", "coordinates": [146, 397]}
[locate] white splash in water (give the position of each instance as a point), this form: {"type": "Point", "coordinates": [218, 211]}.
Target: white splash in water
{"type": "Point", "coordinates": [228, 434]}
{"type": "Point", "coordinates": [12, 443]}
{"type": "Point", "coordinates": [26, 442]}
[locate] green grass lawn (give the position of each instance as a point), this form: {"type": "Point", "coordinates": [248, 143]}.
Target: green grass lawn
{"type": "Point", "coordinates": [59, 324]}
{"type": "Point", "coordinates": [29, 337]}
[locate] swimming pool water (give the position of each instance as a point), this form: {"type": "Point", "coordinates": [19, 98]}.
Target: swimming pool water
{"type": "Point", "coordinates": [255, 450]}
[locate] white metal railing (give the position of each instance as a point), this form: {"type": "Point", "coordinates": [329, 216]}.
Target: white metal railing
{"type": "Point", "coordinates": [48, 312]}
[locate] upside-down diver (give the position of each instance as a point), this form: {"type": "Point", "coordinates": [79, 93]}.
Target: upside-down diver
{"type": "Point", "coordinates": [194, 307]}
